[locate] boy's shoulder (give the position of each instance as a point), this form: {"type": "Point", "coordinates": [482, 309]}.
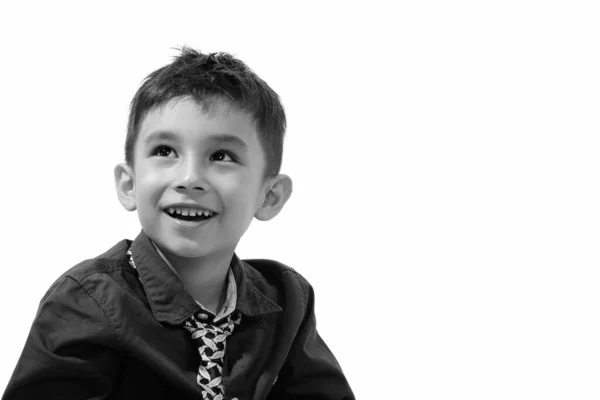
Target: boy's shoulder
{"type": "Point", "coordinates": [274, 276]}
{"type": "Point", "coordinates": [265, 268]}
{"type": "Point", "coordinates": [112, 260]}
{"type": "Point", "coordinates": [107, 272]}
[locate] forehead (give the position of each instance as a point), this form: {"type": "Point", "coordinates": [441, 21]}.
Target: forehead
{"type": "Point", "coordinates": [187, 120]}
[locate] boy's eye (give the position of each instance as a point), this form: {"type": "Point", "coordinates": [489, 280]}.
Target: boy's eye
{"type": "Point", "coordinates": [222, 156]}
{"type": "Point", "coordinates": [163, 151]}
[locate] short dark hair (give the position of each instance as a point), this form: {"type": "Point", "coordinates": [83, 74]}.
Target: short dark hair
{"type": "Point", "coordinates": [208, 78]}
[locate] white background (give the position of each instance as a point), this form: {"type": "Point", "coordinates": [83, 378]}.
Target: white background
{"type": "Point", "coordinates": [445, 157]}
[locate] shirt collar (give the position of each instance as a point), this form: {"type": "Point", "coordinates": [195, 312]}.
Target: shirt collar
{"type": "Point", "coordinates": [230, 293]}
{"type": "Point", "coordinates": [171, 303]}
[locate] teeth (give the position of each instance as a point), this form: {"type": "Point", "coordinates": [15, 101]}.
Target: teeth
{"type": "Point", "coordinates": [192, 212]}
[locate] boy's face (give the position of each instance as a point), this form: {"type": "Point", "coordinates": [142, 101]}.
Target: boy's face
{"type": "Point", "coordinates": [189, 163]}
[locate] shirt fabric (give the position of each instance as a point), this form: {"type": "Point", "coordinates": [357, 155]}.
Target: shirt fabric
{"type": "Point", "coordinates": [212, 334]}
{"type": "Point", "coordinates": [105, 330]}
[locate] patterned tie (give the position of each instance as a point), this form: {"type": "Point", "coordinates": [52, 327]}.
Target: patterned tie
{"type": "Point", "coordinates": [210, 338]}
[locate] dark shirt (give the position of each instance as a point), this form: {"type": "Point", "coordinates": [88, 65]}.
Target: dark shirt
{"type": "Point", "coordinates": [105, 330]}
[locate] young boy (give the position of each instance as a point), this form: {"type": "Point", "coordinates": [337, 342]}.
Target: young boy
{"type": "Point", "coordinates": [175, 314]}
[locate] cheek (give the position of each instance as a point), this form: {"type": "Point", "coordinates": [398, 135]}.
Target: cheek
{"type": "Point", "coordinates": [239, 191]}
{"type": "Point", "coordinates": [148, 189]}
{"type": "Point", "coordinates": [227, 181]}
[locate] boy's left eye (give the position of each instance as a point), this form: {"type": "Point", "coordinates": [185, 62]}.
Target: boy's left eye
{"type": "Point", "coordinates": [222, 156]}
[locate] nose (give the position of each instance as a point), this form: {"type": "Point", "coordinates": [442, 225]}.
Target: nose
{"type": "Point", "coordinates": [191, 176]}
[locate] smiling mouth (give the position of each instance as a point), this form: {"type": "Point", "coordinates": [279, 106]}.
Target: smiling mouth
{"type": "Point", "coordinates": [189, 214]}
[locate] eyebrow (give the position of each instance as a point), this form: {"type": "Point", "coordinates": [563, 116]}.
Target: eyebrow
{"type": "Point", "coordinates": [217, 138]}
{"type": "Point", "coordinates": [158, 136]}
{"type": "Point", "coordinates": [228, 138]}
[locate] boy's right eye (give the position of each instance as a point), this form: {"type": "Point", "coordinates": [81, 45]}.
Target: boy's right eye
{"type": "Point", "coordinates": [163, 151]}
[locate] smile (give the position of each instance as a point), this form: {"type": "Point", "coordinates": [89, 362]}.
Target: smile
{"type": "Point", "coordinates": [189, 214]}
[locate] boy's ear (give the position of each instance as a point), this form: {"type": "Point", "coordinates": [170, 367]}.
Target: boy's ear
{"type": "Point", "coordinates": [125, 185]}
{"type": "Point", "coordinates": [278, 191]}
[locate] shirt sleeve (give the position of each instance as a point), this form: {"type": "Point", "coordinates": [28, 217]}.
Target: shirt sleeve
{"type": "Point", "coordinates": [311, 370]}
{"type": "Point", "coordinates": [70, 352]}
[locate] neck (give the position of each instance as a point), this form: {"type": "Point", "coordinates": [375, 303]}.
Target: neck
{"type": "Point", "coordinates": [203, 278]}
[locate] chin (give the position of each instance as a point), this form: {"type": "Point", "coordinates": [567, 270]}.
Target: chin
{"type": "Point", "coordinates": [191, 253]}
{"type": "Point", "coordinates": [185, 250]}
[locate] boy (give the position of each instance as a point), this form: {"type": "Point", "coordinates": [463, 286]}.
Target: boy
{"type": "Point", "coordinates": [175, 314]}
